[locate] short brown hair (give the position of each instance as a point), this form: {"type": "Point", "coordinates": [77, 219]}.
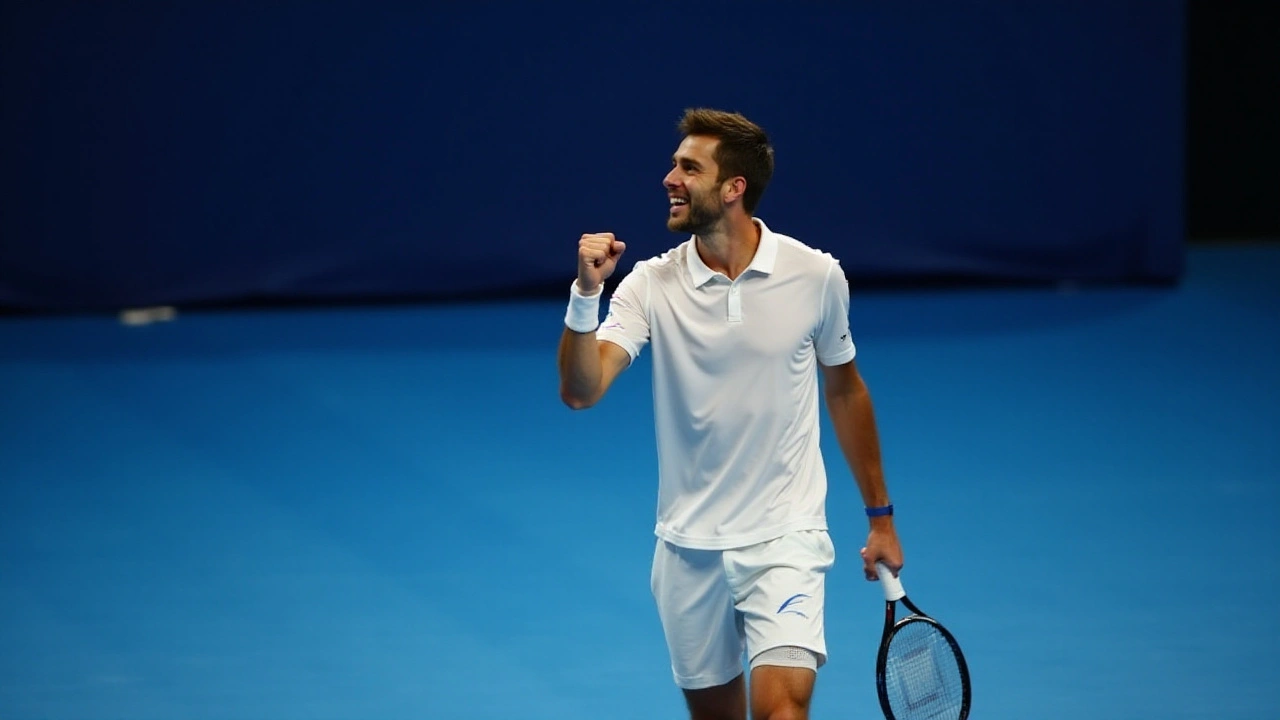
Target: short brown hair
{"type": "Point", "coordinates": [743, 149]}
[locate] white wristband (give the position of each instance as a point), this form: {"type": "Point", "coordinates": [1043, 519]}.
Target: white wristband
{"type": "Point", "coordinates": [583, 315]}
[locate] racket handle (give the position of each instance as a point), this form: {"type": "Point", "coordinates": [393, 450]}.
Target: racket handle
{"type": "Point", "coordinates": [892, 586]}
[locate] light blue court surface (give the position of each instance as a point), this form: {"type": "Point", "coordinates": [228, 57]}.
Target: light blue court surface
{"type": "Point", "coordinates": [386, 513]}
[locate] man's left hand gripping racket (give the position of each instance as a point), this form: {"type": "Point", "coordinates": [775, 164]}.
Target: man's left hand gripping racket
{"type": "Point", "coordinates": [920, 671]}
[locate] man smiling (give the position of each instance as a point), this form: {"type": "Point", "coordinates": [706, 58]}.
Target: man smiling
{"type": "Point", "coordinates": [739, 319]}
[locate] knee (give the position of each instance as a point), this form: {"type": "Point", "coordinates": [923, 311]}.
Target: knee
{"type": "Point", "coordinates": [781, 693]}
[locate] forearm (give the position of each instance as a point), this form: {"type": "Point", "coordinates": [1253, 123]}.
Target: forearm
{"type": "Point", "coordinates": [849, 403]}
{"type": "Point", "coordinates": [579, 355]}
{"type": "Point", "coordinates": [854, 421]}
{"type": "Point", "coordinates": [580, 368]}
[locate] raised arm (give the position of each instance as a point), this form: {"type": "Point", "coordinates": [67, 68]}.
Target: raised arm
{"type": "Point", "coordinates": [849, 405]}
{"type": "Point", "coordinates": [588, 366]}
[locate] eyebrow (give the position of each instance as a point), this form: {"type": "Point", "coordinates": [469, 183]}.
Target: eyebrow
{"type": "Point", "coordinates": [676, 160]}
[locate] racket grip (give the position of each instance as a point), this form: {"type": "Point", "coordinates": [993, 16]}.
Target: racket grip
{"type": "Point", "coordinates": [892, 586]}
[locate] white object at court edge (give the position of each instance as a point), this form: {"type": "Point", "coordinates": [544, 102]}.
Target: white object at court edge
{"type": "Point", "coordinates": [893, 591]}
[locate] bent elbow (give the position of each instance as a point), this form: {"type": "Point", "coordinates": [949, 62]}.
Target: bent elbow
{"type": "Point", "coordinates": [574, 401]}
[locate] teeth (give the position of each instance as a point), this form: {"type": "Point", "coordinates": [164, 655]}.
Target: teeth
{"type": "Point", "coordinates": [679, 201]}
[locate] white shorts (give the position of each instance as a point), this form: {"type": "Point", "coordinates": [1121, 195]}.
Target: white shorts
{"type": "Point", "coordinates": [716, 605]}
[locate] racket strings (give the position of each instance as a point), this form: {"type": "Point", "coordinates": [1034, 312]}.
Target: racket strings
{"type": "Point", "coordinates": [922, 675]}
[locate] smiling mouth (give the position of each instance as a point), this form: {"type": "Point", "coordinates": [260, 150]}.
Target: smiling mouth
{"type": "Point", "coordinates": [677, 202]}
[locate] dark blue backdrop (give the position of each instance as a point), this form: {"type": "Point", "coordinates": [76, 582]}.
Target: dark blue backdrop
{"type": "Point", "coordinates": [206, 151]}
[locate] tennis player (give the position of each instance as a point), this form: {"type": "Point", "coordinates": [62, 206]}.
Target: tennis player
{"type": "Point", "coordinates": [740, 319]}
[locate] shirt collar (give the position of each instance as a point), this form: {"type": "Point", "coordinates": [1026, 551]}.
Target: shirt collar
{"type": "Point", "coordinates": [763, 261]}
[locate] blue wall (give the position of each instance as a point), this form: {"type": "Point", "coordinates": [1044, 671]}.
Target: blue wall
{"type": "Point", "coordinates": [206, 151]}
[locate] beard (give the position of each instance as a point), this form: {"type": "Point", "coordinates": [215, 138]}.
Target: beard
{"type": "Point", "coordinates": [700, 217]}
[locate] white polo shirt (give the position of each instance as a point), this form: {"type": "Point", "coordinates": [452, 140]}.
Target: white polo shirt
{"type": "Point", "coordinates": [735, 386]}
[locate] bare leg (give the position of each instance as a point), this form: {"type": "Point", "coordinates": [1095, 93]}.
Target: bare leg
{"type": "Point", "coordinates": [722, 702]}
{"type": "Point", "coordinates": [781, 693]}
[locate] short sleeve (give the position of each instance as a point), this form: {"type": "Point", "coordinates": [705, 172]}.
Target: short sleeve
{"type": "Point", "coordinates": [833, 339]}
{"type": "Point", "coordinates": [627, 323]}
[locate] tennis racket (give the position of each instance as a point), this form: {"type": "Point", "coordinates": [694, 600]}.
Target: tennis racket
{"type": "Point", "coordinates": [920, 672]}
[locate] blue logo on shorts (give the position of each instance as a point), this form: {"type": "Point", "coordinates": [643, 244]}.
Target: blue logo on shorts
{"type": "Point", "coordinates": [786, 608]}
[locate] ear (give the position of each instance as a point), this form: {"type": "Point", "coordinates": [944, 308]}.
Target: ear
{"type": "Point", "coordinates": [733, 189]}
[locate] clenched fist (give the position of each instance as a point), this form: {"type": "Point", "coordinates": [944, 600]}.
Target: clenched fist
{"type": "Point", "coordinates": [598, 255]}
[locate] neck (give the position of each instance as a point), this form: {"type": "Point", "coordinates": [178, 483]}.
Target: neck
{"type": "Point", "coordinates": [729, 247]}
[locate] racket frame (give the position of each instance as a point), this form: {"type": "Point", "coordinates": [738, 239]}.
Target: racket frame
{"type": "Point", "coordinates": [893, 595]}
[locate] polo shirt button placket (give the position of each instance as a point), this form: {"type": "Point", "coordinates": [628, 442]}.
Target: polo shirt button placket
{"type": "Point", "coordinates": [735, 303]}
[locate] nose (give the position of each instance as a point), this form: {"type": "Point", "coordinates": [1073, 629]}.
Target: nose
{"type": "Point", "coordinates": [669, 182]}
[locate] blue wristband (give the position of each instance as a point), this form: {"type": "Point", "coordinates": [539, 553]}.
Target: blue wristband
{"type": "Point", "coordinates": [880, 511]}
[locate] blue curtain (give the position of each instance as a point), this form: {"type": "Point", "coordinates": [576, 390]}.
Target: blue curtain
{"type": "Point", "coordinates": [186, 152]}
